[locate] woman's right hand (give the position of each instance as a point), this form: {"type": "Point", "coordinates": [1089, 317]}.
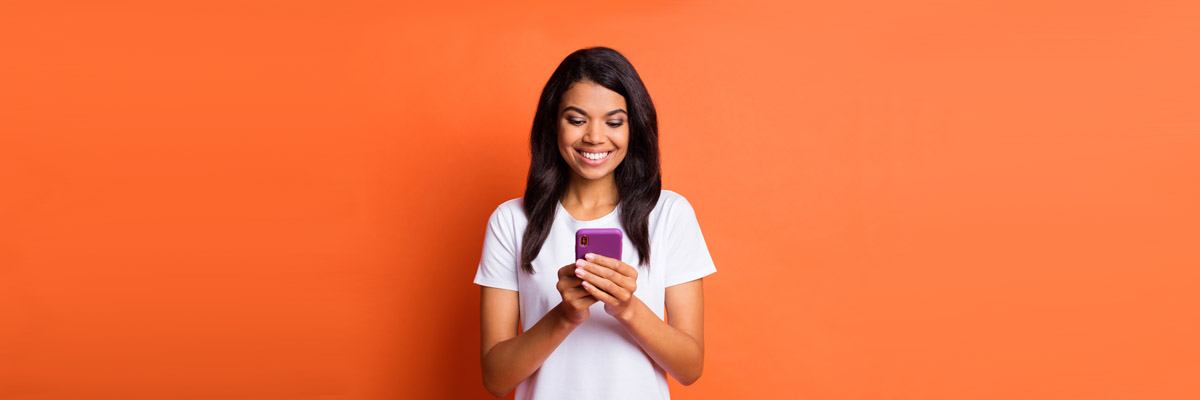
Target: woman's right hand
{"type": "Point", "coordinates": [576, 301]}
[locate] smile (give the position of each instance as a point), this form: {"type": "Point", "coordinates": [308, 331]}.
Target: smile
{"type": "Point", "coordinates": [592, 157]}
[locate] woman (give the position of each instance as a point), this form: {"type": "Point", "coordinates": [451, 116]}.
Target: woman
{"type": "Point", "coordinates": [595, 328]}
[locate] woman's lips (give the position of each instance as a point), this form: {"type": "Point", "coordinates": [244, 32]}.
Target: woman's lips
{"type": "Point", "coordinates": [596, 162]}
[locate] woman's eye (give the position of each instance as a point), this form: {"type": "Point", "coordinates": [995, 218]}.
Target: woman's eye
{"type": "Point", "coordinates": [575, 122]}
{"type": "Point", "coordinates": [616, 124]}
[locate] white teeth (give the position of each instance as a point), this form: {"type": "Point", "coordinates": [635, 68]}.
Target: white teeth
{"type": "Point", "coordinates": [595, 156]}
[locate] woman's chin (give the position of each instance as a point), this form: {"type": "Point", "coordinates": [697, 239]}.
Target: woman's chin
{"type": "Point", "coordinates": [592, 174]}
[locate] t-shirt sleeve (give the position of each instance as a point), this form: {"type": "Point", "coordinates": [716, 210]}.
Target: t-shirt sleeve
{"type": "Point", "coordinates": [687, 255]}
{"type": "Point", "coordinates": [498, 264]}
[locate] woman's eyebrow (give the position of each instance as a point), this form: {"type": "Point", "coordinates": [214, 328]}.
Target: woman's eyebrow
{"type": "Point", "coordinates": [579, 110]}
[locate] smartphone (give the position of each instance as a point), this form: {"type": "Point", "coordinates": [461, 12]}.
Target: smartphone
{"type": "Point", "coordinates": [605, 242]}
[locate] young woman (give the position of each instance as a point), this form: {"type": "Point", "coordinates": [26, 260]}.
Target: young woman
{"type": "Point", "coordinates": [596, 328]}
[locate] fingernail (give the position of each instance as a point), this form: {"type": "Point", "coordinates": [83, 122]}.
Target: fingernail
{"type": "Point", "coordinates": [579, 263]}
{"type": "Point", "coordinates": [586, 284]}
{"type": "Point", "coordinates": [578, 272]}
{"type": "Point", "coordinates": [589, 256]}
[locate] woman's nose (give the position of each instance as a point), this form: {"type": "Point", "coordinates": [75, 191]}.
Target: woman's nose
{"type": "Point", "coordinates": [593, 134]}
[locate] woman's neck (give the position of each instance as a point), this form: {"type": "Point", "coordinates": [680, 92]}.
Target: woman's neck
{"type": "Point", "coordinates": [589, 194]}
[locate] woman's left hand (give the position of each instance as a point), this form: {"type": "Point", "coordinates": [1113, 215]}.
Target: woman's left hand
{"type": "Point", "coordinates": [611, 281]}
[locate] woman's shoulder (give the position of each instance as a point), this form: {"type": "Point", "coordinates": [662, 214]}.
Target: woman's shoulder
{"type": "Point", "coordinates": [510, 208]}
{"type": "Point", "coordinates": [514, 204]}
{"type": "Point", "coordinates": [669, 201]}
{"type": "Point", "coordinates": [669, 197]}
{"type": "Point", "coordinates": [508, 219]}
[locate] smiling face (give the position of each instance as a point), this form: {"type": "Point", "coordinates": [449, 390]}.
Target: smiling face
{"type": "Point", "coordinates": [593, 129]}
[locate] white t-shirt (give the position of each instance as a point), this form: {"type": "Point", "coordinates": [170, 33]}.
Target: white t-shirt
{"type": "Point", "coordinates": [599, 359]}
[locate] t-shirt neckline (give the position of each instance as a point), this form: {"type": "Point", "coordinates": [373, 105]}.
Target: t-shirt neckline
{"type": "Point", "coordinates": [605, 218]}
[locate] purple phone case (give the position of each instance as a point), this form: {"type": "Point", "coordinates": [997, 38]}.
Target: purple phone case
{"type": "Point", "coordinates": [605, 242]}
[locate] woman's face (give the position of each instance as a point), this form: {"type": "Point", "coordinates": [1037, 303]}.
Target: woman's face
{"type": "Point", "coordinates": [593, 129]}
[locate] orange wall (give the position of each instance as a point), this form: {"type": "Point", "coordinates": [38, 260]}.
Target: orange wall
{"type": "Point", "coordinates": [905, 200]}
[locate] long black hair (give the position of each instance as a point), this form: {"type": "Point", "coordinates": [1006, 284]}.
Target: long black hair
{"type": "Point", "coordinates": [638, 177]}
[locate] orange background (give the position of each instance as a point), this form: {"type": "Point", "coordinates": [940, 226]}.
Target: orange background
{"type": "Point", "coordinates": [905, 200]}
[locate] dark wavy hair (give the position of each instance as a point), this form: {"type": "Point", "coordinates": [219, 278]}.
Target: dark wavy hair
{"type": "Point", "coordinates": [638, 177]}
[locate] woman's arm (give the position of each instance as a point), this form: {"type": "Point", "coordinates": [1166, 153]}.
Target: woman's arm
{"type": "Point", "coordinates": [678, 346]}
{"type": "Point", "coordinates": [508, 358]}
